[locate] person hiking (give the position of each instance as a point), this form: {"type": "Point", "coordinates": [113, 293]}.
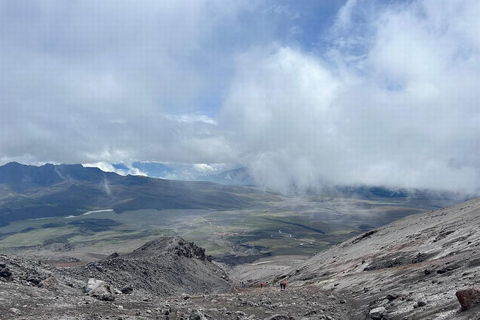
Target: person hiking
{"type": "Point", "coordinates": [243, 284]}
{"type": "Point", "coordinates": [261, 285]}
{"type": "Point", "coordinates": [283, 285]}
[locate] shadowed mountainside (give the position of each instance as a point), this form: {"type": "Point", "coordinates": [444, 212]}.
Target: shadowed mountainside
{"type": "Point", "coordinates": [28, 192]}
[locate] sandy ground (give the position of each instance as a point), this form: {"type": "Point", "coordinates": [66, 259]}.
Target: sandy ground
{"type": "Point", "coordinates": [254, 273]}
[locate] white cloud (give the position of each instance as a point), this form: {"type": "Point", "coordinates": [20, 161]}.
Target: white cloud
{"type": "Point", "coordinates": [108, 167]}
{"type": "Point", "coordinates": [94, 81]}
{"type": "Point", "coordinates": [192, 118]}
{"type": "Point", "coordinates": [401, 111]}
{"type": "Point", "coordinates": [390, 99]}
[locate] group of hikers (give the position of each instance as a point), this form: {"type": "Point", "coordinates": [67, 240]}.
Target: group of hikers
{"type": "Point", "coordinates": [283, 285]}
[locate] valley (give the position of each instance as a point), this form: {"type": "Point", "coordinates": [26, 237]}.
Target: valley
{"type": "Point", "coordinates": [291, 225]}
{"type": "Point", "coordinates": [412, 268]}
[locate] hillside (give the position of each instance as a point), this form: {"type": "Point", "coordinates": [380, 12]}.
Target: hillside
{"type": "Point", "coordinates": [28, 192]}
{"type": "Point", "coordinates": [410, 269]}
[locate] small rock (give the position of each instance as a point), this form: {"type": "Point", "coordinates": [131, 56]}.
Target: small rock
{"type": "Point", "coordinates": [196, 315]}
{"type": "Point", "coordinates": [15, 312]}
{"type": "Point", "coordinates": [377, 313]}
{"type": "Point", "coordinates": [127, 290]}
{"type": "Point", "coordinates": [4, 271]}
{"type": "Point", "coordinates": [50, 283]}
{"type": "Point", "coordinates": [277, 317]}
{"type": "Point", "coordinates": [392, 296]}
{"type": "Point", "coordinates": [421, 303]}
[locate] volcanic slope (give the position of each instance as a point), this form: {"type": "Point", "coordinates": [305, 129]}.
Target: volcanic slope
{"type": "Point", "coordinates": [160, 268]}
{"type": "Point", "coordinates": [164, 279]}
{"type": "Point", "coordinates": [164, 267]}
{"type": "Point", "coordinates": [409, 269]}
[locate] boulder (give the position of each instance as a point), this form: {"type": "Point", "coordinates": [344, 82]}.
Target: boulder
{"type": "Point", "coordinates": [468, 297]}
{"type": "Point", "coordinates": [100, 290]}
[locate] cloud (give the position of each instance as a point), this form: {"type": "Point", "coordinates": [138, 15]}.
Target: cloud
{"type": "Point", "coordinates": [192, 118]}
{"type": "Point", "coordinates": [108, 167]}
{"type": "Point", "coordinates": [88, 81]}
{"type": "Point", "coordinates": [304, 94]}
{"type": "Point", "coordinates": [395, 107]}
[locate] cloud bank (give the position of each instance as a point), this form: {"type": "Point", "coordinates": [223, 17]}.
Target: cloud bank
{"type": "Point", "coordinates": [372, 92]}
{"type": "Point", "coordinates": [393, 101]}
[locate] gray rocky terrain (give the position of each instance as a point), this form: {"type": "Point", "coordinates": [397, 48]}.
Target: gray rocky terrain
{"type": "Point", "coordinates": [410, 269]}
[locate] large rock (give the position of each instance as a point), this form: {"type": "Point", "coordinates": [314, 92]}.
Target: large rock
{"type": "Point", "coordinates": [468, 297]}
{"type": "Point", "coordinates": [100, 290]}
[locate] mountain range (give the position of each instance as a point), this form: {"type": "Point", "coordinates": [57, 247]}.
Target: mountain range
{"type": "Point", "coordinates": [28, 192]}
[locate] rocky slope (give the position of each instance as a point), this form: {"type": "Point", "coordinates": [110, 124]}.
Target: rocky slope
{"type": "Point", "coordinates": [160, 268]}
{"type": "Point", "coordinates": [163, 267]}
{"type": "Point", "coordinates": [409, 269]}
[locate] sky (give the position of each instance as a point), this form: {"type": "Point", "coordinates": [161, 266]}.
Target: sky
{"type": "Point", "coordinates": [303, 93]}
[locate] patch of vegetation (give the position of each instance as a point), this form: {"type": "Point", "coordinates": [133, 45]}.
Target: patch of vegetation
{"type": "Point", "coordinates": [94, 225]}
{"type": "Point", "coordinates": [60, 239]}
{"type": "Point", "coordinates": [52, 225]}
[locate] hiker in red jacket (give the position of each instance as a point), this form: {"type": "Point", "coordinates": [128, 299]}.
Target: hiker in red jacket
{"type": "Point", "coordinates": [283, 285]}
{"type": "Point", "coordinates": [261, 285]}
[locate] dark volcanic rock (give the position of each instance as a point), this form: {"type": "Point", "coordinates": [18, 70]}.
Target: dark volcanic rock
{"type": "Point", "coordinates": [175, 245]}
{"type": "Point", "coordinates": [127, 290]}
{"type": "Point", "coordinates": [4, 271]}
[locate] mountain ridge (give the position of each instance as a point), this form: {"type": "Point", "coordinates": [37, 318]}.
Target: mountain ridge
{"type": "Point", "coordinates": [60, 190]}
